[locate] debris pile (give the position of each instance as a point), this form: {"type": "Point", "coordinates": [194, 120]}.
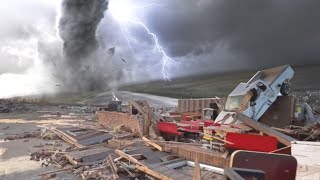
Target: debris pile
{"type": "Point", "coordinates": [34, 134]}
{"type": "Point", "coordinates": [251, 134]}
{"type": "Point", "coordinates": [15, 105]}
{"type": "Point", "coordinates": [79, 108]}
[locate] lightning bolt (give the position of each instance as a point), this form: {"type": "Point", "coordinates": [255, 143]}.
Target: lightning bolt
{"type": "Point", "coordinates": [125, 31]}
{"type": "Point", "coordinates": [167, 61]}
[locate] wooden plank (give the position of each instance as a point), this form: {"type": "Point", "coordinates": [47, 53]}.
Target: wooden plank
{"type": "Point", "coordinates": [124, 166]}
{"type": "Point", "coordinates": [66, 135]}
{"type": "Point", "coordinates": [225, 154]}
{"type": "Point", "coordinates": [153, 173]}
{"type": "Point", "coordinates": [152, 143]}
{"type": "Point", "coordinates": [65, 138]}
{"type": "Point", "coordinates": [281, 150]}
{"type": "Point", "coordinates": [137, 106]}
{"type": "Point", "coordinates": [265, 129]}
{"type": "Point", "coordinates": [128, 157]}
{"type": "Point", "coordinates": [113, 167]}
{"type": "Point", "coordinates": [197, 169]}
{"type": "Point", "coordinates": [205, 156]}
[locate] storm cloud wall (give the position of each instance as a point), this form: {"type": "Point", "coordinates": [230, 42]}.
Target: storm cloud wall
{"type": "Point", "coordinates": [77, 28]}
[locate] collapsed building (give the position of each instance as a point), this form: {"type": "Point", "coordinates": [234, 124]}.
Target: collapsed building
{"type": "Point", "coordinates": [259, 131]}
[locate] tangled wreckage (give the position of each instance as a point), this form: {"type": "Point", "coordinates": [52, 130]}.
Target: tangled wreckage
{"type": "Point", "coordinates": [259, 132]}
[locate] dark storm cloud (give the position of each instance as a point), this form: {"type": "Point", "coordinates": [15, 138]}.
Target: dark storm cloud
{"type": "Point", "coordinates": [257, 33]}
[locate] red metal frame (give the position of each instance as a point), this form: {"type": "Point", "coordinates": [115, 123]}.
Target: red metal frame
{"type": "Point", "coordinates": [251, 142]}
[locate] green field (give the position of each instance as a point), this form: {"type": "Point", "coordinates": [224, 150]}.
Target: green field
{"type": "Point", "coordinates": [306, 79]}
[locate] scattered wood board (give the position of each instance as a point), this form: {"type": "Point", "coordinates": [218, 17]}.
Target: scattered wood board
{"type": "Point", "coordinates": [152, 143]}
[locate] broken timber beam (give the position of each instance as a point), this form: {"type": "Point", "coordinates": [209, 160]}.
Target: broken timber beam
{"type": "Point", "coordinates": [197, 169]}
{"type": "Point", "coordinates": [137, 106]}
{"type": "Point", "coordinates": [128, 157]}
{"type": "Point", "coordinates": [153, 173]}
{"type": "Point", "coordinates": [141, 167]}
{"type": "Point", "coordinates": [66, 138]}
{"type": "Point", "coordinates": [286, 140]}
{"type": "Point", "coordinates": [113, 167]}
{"type": "Point", "coordinates": [146, 121]}
{"type": "Point", "coordinates": [152, 143]}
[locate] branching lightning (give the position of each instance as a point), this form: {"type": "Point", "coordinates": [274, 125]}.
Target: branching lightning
{"type": "Point", "coordinates": [124, 12]}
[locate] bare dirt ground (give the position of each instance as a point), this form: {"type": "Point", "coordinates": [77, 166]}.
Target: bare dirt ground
{"type": "Point", "coordinates": [26, 119]}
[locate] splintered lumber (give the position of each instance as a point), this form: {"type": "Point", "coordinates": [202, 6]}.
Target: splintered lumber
{"type": "Point", "coordinates": [225, 154]}
{"type": "Point", "coordinates": [205, 156]}
{"type": "Point", "coordinates": [141, 167]}
{"type": "Point", "coordinates": [113, 167]}
{"type": "Point", "coordinates": [152, 143]}
{"type": "Point", "coordinates": [284, 150]}
{"type": "Point", "coordinates": [286, 140]}
{"type": "Point", "coordinates": [137, 106]}
{"type": "Point", "coordinates": [66, 138]}
{"type": "Point", "coordinates": [153, 173]}
{"type": "Point", "coordinates": [127, 156]}
{"type": "Point", "coordinates": [124, 166]}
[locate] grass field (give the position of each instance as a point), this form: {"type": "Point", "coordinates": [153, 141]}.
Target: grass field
{"type": "Point", "coordinates": [306, 79]}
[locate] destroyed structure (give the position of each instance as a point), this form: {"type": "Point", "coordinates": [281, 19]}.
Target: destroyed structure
{"type": "Point", "coordinates": [254, 133]}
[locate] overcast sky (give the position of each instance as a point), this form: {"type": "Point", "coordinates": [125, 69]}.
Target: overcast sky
{"type": "Point", "coordinates": [202, 36]}
{"type": "Point", "coordinates": [218, 35]}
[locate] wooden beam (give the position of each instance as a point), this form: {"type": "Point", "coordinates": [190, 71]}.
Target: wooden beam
{"type": "Point", "coordinates": [152, 143]}
{"type": "Point", "coordinates": [137, 106]}
{"type": "Point", "coordinates": [277, 150]}
{"type": "Point", "coordinates": [146, 123]}
{"type": "Point", "coordinates": [197, 169]}
{"type": "Point", "coordinates": [141, 167]}
{"type": "Point", "coordinates": [113, 167]}
{"type": "Point", "coordinates": [66, 138]}
{"type": "Point", "coordinates": [153, 173]}
{"type": "Point", "coordinates": [286, 140]}
{"type": "Point", "coordinates": [225, 154]}
{"type": "Point", "coordinates": [128, 157]}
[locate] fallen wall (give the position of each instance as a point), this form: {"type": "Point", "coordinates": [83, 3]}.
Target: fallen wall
{"type": "Point", "coordinates": [205, 156]}
{"type": "Point", "coordinates": [111, 120]}
{"type": "Point", "coordinates": [196, 105]}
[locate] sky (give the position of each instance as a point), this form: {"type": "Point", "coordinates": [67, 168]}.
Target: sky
{"type": "Point", "coordinates": [195, 36]}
